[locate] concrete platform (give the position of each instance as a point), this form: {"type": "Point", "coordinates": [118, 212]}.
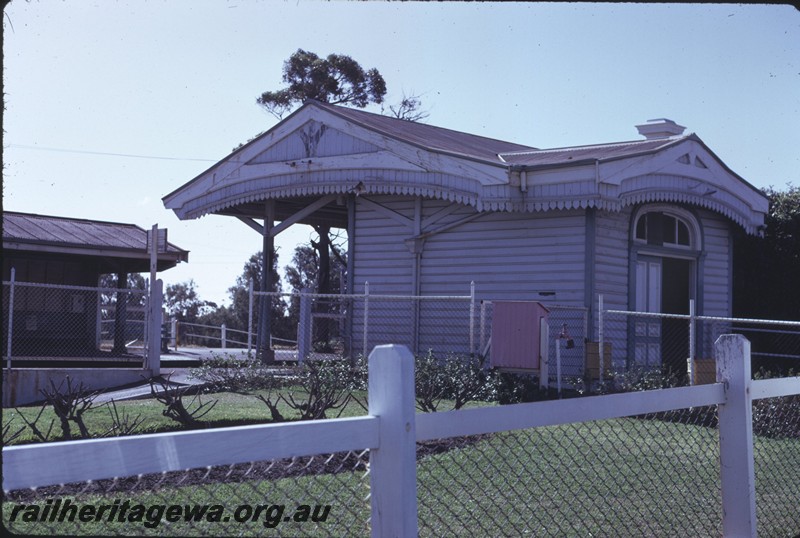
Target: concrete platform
{"type": "Point", "coordinates": [119, 380]}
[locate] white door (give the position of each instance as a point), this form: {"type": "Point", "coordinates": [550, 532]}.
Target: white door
{"type": "Point", "coordinates": [647, 330]}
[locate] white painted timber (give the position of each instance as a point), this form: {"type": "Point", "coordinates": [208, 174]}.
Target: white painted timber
{"type": "Point", "coordinates": [94, 459]}
{"type": "Point", "coordinates": [775, 388]}
{"type": "Point", "coordinates": [737, 474]}
{"type": "Point", "coordinates": [551, 413]}
{"type": "Point", "coordinates": [394, 463]}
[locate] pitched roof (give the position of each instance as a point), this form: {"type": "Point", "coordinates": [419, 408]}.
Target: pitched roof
{"type": "Point", "coordinates": [394, 156]}
{"type": "Point", "coordinates": [30, 228]}
{"type": "Point", "coordinates": [429, 136]}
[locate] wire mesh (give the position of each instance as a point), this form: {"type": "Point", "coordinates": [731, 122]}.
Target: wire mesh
{"type": "Point", "coordinates": [326, 495]}
{"type": "Point", "coordinates": [49, 322]}
{"type": "Point", "coordinates": [439, 324]}
{"type": "Point", "coordinates": [640, 476]}
{"type": "Point", "coordinates": [339, 326]}
{"type": "Point", "coordinates": [647, 342]}
{"type": "Point", "coordinates": [776, 457]}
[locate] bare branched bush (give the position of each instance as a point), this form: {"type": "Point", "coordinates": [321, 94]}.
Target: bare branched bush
{"type": "Point", "coordinates": [34, 424]}
{"type": "Point", "coordinates": [69, 405]}
{"type": "Point", "coordinates": [316, 388]}
{"type": "Point", "coordinates": [10, 437]}
{"type": "Point", "coordinates": [172, 398]}
{"type": "Point", "coordinates": [122, 424]}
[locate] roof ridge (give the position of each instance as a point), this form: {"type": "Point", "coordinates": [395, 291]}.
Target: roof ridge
{"type": "Point", "coordinates": [587, 146]}
{"type": "Point", "coordinates": [74, 219]}
{"type": "Point", "coordinates": [347, 110]}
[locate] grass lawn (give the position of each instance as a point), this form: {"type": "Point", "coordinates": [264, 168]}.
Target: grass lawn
{"type": "Point", "coordinates": [622, 477]}
{"type": "Point", "coordinates": [231, 409]}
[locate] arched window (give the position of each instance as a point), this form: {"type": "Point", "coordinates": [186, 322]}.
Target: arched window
{"type": "Point", "coordinates": [662, 228]}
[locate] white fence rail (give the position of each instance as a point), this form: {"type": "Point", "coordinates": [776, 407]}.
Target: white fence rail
{"type": "Point", "coordinates": [391, 429]}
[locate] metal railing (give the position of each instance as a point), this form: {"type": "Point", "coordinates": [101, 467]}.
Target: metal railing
{"type": "Point", "coordinates": [683, 343]}
{"type": "Point", "coordinates": [348, 325]}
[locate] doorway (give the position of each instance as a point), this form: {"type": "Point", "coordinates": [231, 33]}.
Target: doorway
{"type": "Point", "coordinates": [663, 285]}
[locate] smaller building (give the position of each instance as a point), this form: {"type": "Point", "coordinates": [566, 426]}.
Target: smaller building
{"type": "Point", "coordinates": [58, 263]}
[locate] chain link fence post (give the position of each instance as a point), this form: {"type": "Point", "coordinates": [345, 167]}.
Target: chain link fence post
{"type": "Point", "coordinates": [304, 326]}
{"type": "Point", "coordinates": [365, 348]}
{"type": "Point", "coordinates": [10, 317]}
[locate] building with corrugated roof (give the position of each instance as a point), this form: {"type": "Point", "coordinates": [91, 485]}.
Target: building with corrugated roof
{"type": "Point", "coordinates": [646, 223]}
{"type": "Point", "coordinates": [56, 262]}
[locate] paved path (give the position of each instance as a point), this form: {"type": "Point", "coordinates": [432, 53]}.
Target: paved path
{"type": "Point", "coordinates": [179, 378]}
{"type": "Point", "coordinates": [205, 353]}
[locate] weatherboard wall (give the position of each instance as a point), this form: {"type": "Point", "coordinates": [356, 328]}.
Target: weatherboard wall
{"type": "Point", "coordinates": [509, 256]}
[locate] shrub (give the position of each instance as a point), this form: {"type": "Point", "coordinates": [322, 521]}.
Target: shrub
{"type": "Point", "coordinates": [234, 374]}
{"type": "Point", "coordinates": [315, 388]}
{"type": "Point", "coordinates": [452, 377]}
{"type": "Point", "coordinates": [518, 388]}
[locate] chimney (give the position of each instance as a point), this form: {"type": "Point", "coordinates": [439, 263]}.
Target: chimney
{"type": "Point", "coordinates": [660, 128]}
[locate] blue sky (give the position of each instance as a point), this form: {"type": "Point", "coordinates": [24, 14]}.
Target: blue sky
{"type": "Point", "coordinates": [112, 105]}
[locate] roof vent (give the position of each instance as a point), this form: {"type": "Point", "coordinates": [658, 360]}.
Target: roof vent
{"type": "Point", "coordinates": [660, 128]}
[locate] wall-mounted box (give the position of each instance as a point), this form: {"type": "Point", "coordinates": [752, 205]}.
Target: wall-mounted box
{"type": "Point", "coordinates": [517, 335]}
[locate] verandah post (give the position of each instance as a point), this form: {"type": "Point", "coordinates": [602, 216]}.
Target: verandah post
{"type": "Point", "coordinates": [736, 436]}
{"type": "Point", "coordinates": [393, 466]}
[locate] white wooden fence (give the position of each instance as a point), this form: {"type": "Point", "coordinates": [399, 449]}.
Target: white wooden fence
{"type": "Point", "coordinates": [392, 428]}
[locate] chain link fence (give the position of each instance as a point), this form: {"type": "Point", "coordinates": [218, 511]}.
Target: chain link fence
{"type": "Point", "coordinates": [776, 458]}
{"type": "Point", "coordinates": [637, 476]}
{"type": "Point", "coordinates": [325, 495]}
{"type": "Point", "coordinates": [646, 474]}
{"type": "Point", "coordinates": [642, 343]}
{"type": "Point", "coordinates": [52, 322]}
{"type": "Point", "coordinates": [348, 326]}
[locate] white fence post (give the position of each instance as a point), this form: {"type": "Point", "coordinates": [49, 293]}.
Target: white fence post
{"type": "Point", "coordinates": [393, 466]}
{"type": "Point", "coordinates": [223, 335]}
{"type": "Point", "coordinates": [737, 475]}
{"type": "Point", "coordinates": [10, 317]}
{"type": "Point", "coordinates": [174, 332]}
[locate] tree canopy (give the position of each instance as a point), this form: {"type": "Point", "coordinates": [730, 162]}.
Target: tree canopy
{"type": "Point", "coordinates": [335, 79]}
{"type": "Point", "coordinates": [766, 269]}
